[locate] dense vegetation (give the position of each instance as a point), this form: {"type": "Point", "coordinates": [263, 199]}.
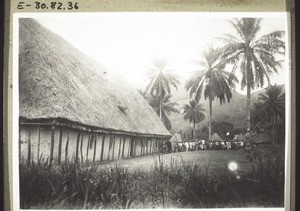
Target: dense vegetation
{"type": "Point", "coordinates": [174, 184]}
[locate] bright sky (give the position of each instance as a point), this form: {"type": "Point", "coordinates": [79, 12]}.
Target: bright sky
{"type": "Point", "coordinates": [128, 42]}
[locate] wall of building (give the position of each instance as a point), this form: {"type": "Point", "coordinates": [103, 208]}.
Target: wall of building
{"type": "Point", "coordinates": [37, 143]}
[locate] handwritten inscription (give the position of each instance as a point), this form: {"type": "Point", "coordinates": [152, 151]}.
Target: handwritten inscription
{"type": "Point", "coordinates": [55, 5]}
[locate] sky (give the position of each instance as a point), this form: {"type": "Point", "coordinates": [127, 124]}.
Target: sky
{"type": "Point", "coordinates": [128, 43]}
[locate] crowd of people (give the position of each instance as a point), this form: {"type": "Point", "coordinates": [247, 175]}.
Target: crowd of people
{"type": "Point", "coordinates": [208, 145]}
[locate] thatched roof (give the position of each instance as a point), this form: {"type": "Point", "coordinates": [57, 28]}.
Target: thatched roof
{"type": "Point", "coordinates": [242, 137]}
{"type": "Point", "coordinates": [216, 137]}
{"type": "Point", "coordinates": [57, 82]}
{"type": "Point", "coordinates": [236, 137]}
{"type": "Point", "coordinates": [176, 138]}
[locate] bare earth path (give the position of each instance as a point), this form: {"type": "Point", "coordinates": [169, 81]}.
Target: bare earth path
{"type": "Point", "coordinates": [213, 158]}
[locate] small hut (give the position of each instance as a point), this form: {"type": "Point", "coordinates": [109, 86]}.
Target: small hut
{"type": "Point", "coordinates": [72, 109]}
{"type": "Point", "coordinates": [236, 137]}
{"type": "Point", "coordinates": [242, 137]}
{"type": "Point", "coordinates": [175, 140]}
{"type": "Point", "coordinates": [239, 137]}
{"type": "Point", "coordinates": [215, 137]}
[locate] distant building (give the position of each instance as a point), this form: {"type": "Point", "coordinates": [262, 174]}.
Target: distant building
{"type": "Point", "coordinates": [239, 137]}
{"type": "Point", "coordinates": [215, 137]}
{"type": "Point", "coordinates": [176, 138]}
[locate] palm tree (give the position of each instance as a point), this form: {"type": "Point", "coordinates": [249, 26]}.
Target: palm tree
{"type": "Point", "coordinates": [255, 57]}
{"type": "Point", "coordinates": [163, 107]}
{"type": "Point", "coordinates": [193, 112]}
{"type": "Point", "coordinates": [273, 104]}
{"type": "Point", "coordinates": [211, 81]}
{"type": "Point", "coordinates": [161, 79]}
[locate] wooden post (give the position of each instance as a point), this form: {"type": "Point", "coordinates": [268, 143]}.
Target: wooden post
{"type": "Point", "coordinates": [87, 148]}
{"type": "Point", "coordinates": [123, 146]}
{"type": "Point", "coordinates": [153, 142]}
{"type": "Point", "coordinates": [109, 147]}
{"type": "Point", "coordinates": [39, 142]}
{"type": "Point", "coordinates": [59, 146]}
{"type": "Point", "coordinates": [133, 143]}
{"type": "Point", "coordinates": [81, 147]}
{"type": "Point", "coordinates": [158, 145]}
{"type": "Point", "coordinates": [153, 146]}
{"type": "Point", "coordinates": [67, 146]}
{"type": "Point", "coordinates": [142, 144]}
{"type": "Point", "coordinates": [145, 146]}
{"type": "Point", "coordinates": [95, 145]}
{"type": "Point", "coordinates": [52, 144]}
{"type": "Point", "coordinates": [130, 147]}
{"type": "Point", "coordinates": [113, 152]}
{"type": "Point", "coordinates": [128, 154]}
{"type": "Point", "coordinates": [120, 144]}
{"type": "Point", "coordinates": [29, 147]}
{"type": "Point", "coordinates": [150, 146]}
{"type": "Point", "coordinates": [102, 148]}
{"type": "Point", "coordinates": [77, 147]}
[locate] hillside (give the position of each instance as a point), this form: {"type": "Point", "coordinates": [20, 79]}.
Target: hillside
{"type": "Point", "coordinates": [233, 112]}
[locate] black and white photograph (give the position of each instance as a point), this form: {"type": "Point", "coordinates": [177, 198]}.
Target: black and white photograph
{"type": "Point", "coordinates": [150, 110]}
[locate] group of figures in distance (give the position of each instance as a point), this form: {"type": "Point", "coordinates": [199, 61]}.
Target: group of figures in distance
{"type": "Point", "coordinates": [243, 52]}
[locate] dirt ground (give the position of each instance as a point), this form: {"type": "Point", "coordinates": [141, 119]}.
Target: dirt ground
{"type": "Point", "coordinates": [211, 158]}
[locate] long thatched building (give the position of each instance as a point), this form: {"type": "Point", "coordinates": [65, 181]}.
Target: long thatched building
{"type": "Point", "coordinates": [71, 109]}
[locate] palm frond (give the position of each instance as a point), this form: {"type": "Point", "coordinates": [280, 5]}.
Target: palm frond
{"type": "Point", "coordinates": [237, 25]}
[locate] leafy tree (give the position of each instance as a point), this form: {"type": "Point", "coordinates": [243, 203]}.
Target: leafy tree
{"type": "Point", "coordinates": [211, 80]}
{"type": "Point", "coordinates": [193, 112]}
{"type": "Point", "coordinates": [254, 57]}
{"type": "Point", "coordinates": [272, 103]}
{"type": "Point", "coordinates": [161, 79]}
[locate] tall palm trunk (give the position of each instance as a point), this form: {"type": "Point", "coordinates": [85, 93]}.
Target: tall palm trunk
{"type": "Point", "coordinates": [194, 132]}
{"type": "Point", "coordinates": [248, 96]}
{"type": "Point", "coordinates": [210, 119]}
